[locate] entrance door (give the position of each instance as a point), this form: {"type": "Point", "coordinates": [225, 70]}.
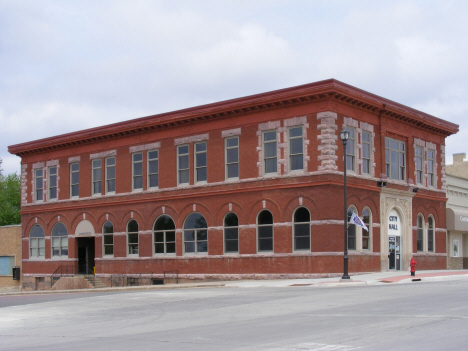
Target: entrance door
{"type": "Point", "coordinates": [85, 255]}
{"type": "Point", "coordinates": [394, 253]}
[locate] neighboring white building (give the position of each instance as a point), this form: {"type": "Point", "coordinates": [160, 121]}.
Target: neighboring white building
{"type": "Point", "coordinates": [457, 213]}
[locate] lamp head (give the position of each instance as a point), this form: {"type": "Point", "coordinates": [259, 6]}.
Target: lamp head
{"type": "Point", "coordinates": [344, 135]}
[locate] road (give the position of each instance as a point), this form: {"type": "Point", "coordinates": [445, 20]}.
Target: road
{"type": "Point", "coordinates": [415, 316]}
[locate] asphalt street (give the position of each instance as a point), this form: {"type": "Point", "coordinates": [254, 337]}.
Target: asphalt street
{"type": "Point", "coordinates": [415, 316]}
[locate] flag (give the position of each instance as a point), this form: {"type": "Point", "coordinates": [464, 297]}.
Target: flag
{"type": "Point", "coordinates": [357, 221]}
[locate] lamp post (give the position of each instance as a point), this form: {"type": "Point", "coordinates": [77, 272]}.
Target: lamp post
{"type": "Point", "coordinates": [344, 135]}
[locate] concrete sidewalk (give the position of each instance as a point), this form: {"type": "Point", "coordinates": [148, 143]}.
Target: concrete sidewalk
{"type": "Point", "coordinates": [398, 277]}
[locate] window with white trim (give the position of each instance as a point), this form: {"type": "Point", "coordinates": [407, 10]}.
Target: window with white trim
{"type": "Point", "coordinates": [395, 159]}
{"type": "Point", "coordinates": [419, 155]}
{"type": "Point", "coordinates": [265, 231]}
{"type": "Point", "coordinates": [96, 176]}
{"type": "Point", "coordinates": [195, 234]}
{"type": "Point", "coordinates": [351, 229]}
{"type": "Point", "coordinates": [419, 233]}
{"type": "Point", "coordinates": [366, 153]}
{"type": "Point", "coordinates": [301, 229]}
{"type": "Point", "coordinates": [6, 265]}
{"type": "Point", "coordinates": [232, 157]}
{"type": "Point", "coordinates": [351, 150]}
{"type": "Point", "coordinates": [53, 183]}
{"type": "Point", "coordinates": [39, 184]}
{"type": "Point", "coordinates": [366, 234]}
{"type": "Point", "coordinates": [200, 162]}
{"type": "Point", "coordinates": [132, 237]}
{"type": "Point", "coordinates": [231, 233]}
{"type": "Point", "coordinates": [430, 168]}
{"type": "Point", "coordinates": [137, 171]}
{"type": "Point", "coordinates": [59, 240]}
{"type": "Point", "coordinates": [110, 175]}
{"type": "Point", "coordinates": [430, 234]}
{"type": "Point", "coordinates": [296, 148]}
{"type": "Point", "coordinates": [270, 152]}
{"type": "Point", "coordinates": [153, 169]}
{"type": "Point", "coordinates": [36, 242]}
{"type": "Point", "coordinates": [108, 238]}
{"type": "Point", "coordinates": [164, 235]}
{"type": "Point", "coordinates": [183, 174]}
{"type": "Point", "coordinates": [74, 180]}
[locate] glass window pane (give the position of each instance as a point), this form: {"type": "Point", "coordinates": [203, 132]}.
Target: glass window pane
{"type": "Point", "coordinates": [201, 160]}
{"type": "Point", "coordinates": [190, 246]}
{"type": "Point", "coordinates": [164, 222]}
{"type": "Point", "coordinates": [270, 165]}
{"type": "Point", "coordinates": [195, 221]}
{"type": "Point", "coordinates": [265, 217]}
{"type": "Point", "coordinates": [159, 237]}
{"type": "Point", "coordinates": [296, 146]}
{"type": "Point", "coordinates": [295, 132]}
{"type": "Point", "coordinates": [137, 157]}
{"type": "Point", "coordinates": [183, 162]}
{"type": "Point", "coordinates": [232, 142]}
{"type": "Point", "coordinates": [302, 243]}
{"type": "Point", "coordinates": [96, 163]}
{"type": "Point", "coordinates": [75, 178]}
{"type": "Point", "coordinates": [189, 235]}
{"type": "Point", "coordinates": [138, 182]}
{"type": "Point", "coordinates": [184, 176]}
{"type": "Point", "coordinates": [202, 235]}
{"type": "Point", "coordinates": [302, 215]}
{"type": "Point", "coordinates": [268, 136]}
{"type": "Point", "coordinates": [53, 193]}
{"type": "Point", "coordinates": [137, 169]}
{"type": "Point", "coordinates": [153, 181]}
{"type": "Point", "coordinates": [133, 238]}
{"type": "Point", "coordinates": [233, 170]}
{"type": "Point", "coordinates": [232, 246]}
{"type": "Point", "coordinates": [153, 154]}
{"type": "Point", "coordinates": [202, 246]}
{"type": "Point", "coordinates": [153, 166]}
{"type": "Point", "coordinates": [201, 174]}
{"type": "Point", "coordinates": [265, 232]}
{"type": "Point", "coordinates": [170, 248]}
{"type": "Point", "coordinates": [170, 236]}
{"type": "Point", "coordinates": [111, 186]}
{"type": "Point", "coordinates": [231, 233]}
{"type": "Point", "coordinates": [108, 239]}
{"type": "Point", "coordinates": [75, 167]}
{"type": "Point", "coordinates": [183, 150]}
{"type": "Point", "coordinates": [132, 226]}
{"type": "Point", "coordinates": [232, 155]}
{"type": "Point", "coordinates": [270, 150]}
{"type": "Point", "coordinates": [110, 172]}
{"type": "Point", "coordinates": [108, 250]}
{"type": "Point", "coordinates": [231, 220]}
{"type": "Point", "coordinates": [97, 174]}
{"type": "Point", "coordinates": [159, 248]}
{"type": "Point", "coordinates": [265, 245]}
{"type": "Point", "coordinates": [200, 147]}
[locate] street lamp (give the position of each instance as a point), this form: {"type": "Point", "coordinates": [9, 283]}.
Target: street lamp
{"type": "Point", "coordinates": [344, 135]}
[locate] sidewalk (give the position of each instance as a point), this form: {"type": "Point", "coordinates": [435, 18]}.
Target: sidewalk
{"type": "Point", "coordinates": [379, 278]}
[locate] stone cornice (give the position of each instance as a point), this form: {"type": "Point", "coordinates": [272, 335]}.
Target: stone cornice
{"type": "Point", "coordinates": [331, 90]}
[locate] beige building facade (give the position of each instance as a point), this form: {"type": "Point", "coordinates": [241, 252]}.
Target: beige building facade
{"type": "Point", "coordinates": [10, 255]}
{"type": "Point", "coordinates": [457, 213]}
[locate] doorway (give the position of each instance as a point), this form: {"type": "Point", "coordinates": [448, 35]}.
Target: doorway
{"type": "Point", "coordinates": [394, 253]}
{"type": "Point", "coordinates": [85, 255]}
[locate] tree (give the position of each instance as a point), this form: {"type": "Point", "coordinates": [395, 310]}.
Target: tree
{"type": "Point", "coordinates": [10, 199]}
{"type": "Point", "coordinates": [1, 166]}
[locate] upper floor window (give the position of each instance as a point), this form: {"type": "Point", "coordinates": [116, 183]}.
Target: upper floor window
{"type": "Point", "coordinates": [366, 153]}
{"type": "Point", "coordinates": [132, 237]}
{"type": "Point", "coordinates": [36, 241]}
{"type": "Point", "coordinates": [419, 155]}
{"type": "Point", "coordinates": [110, 175]}
{"type": "Point", "coordinates": [430, 167]}
{"type": "Point", "coordinates": [231, 233]}
{"type": "Point", "coordinates": [96, 176]}
{"type": "Point", "coordinates": [164, 235]}
{"type": "Point", "coordinates": [195, 234]}
{"type": "Point", "coordinates": [153, 169]}
{"type": "Point", "coordinates": [74, 180]}
{"type": "Point", "coordinates": [265, 231]}
{"type": "Point", "coordinates": [137, 170]}
{"type": "Point", "coordinates": [270, 150]}
{"type": "Point", "coordinates": [52, 183]}
{"type": "Point", "coordinates": [232, 158]}
{"type": "Point", "coordinates": [183, 164]}
{"type": "Point", "coordinates": [59, 240]}
{"type": "Point", "coordinates": [200, 162]}
{"type": "Point", "coordinates": [395, 159]}
{"type": "Point", "coordinates": [39, 184]}
{"type": "Point", "coordinates": [296, 149]}
{"type": "Point", "coordinates": [108, 238]}
{"type": "Point", "coordinates": [430, 234]}
{"type": "Point", "coordinates": [301, 229]}
{"type": "Point", "coordinates": [351, 150]}
{"type": "Point", "coordinates": [419, 233]}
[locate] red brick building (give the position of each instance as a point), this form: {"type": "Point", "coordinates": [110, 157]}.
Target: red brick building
{"type": "Point", "coordinates": [244, 188]}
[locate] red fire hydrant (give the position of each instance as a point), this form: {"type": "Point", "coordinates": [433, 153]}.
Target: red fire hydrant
{"type": "Point", "coordinates": [413, 267]}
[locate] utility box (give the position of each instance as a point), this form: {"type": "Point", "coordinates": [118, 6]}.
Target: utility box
{"type": "Point", "coordinates": [16, 273]}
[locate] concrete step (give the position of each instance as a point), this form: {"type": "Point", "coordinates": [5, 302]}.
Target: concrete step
{"type": "Point", "coordinates": [95, 282]}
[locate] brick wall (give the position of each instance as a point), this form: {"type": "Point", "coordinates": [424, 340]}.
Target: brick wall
{"type": "Point", "coordinates": [10, 245]}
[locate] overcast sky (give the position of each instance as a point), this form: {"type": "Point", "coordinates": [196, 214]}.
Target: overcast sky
{"type": "Point", "coordinates": [71, 65]}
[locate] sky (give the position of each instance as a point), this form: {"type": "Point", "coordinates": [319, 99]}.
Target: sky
{"type": "Point", "coordinates": [71, 65]}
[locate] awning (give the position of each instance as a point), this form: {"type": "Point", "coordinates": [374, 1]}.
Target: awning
{"type": "Point", "coordinates": [457, 220]}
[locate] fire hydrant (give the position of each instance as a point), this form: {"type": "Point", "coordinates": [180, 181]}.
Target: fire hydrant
{"type": "Point", "coordinates": [413, 267]}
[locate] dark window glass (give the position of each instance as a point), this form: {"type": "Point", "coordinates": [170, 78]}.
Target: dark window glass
{"type": "Point", "coordinates": [302, 229]}
{"type": "Point", "coordinates": [231, 233]}
{"type": "Point", "coordinates": [195, 234]}
{"type": "Point", "coordinates": [164, 235]}
{"type": "Point", "coordinates": [265, 231]}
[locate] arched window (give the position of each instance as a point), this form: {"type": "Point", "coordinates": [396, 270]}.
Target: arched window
{"type": "Point", "coordinates": [419, 235]}
{"type": "Point", "coordinates": [36, 241]}
{"type": "Point", "coordinates": [231, 233]}
{"type": "Point", "coordinates": [108, 238]}
{"type": "Point", "coordinates": [195, 234]}
{"type": "Point", "coordinates": [351, 229]}
{"type": "Point", "coordinates": [132, 237]}
{"type": "Point", "coordinates": [430, 234]}
{"type": "Point", "coordinates": [164, 235]}
{"type": "Point", "coordinates": [265, 231]}
{"type": "Point", "coordinates": [301, 229]}
{"type": "Point", "coordinates": [59, 240]}
{"type": "Point", "coordinates": [366, 234]}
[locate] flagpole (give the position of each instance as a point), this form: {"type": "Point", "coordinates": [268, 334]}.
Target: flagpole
{"type": "Point", "coordinates": [344, 135]}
